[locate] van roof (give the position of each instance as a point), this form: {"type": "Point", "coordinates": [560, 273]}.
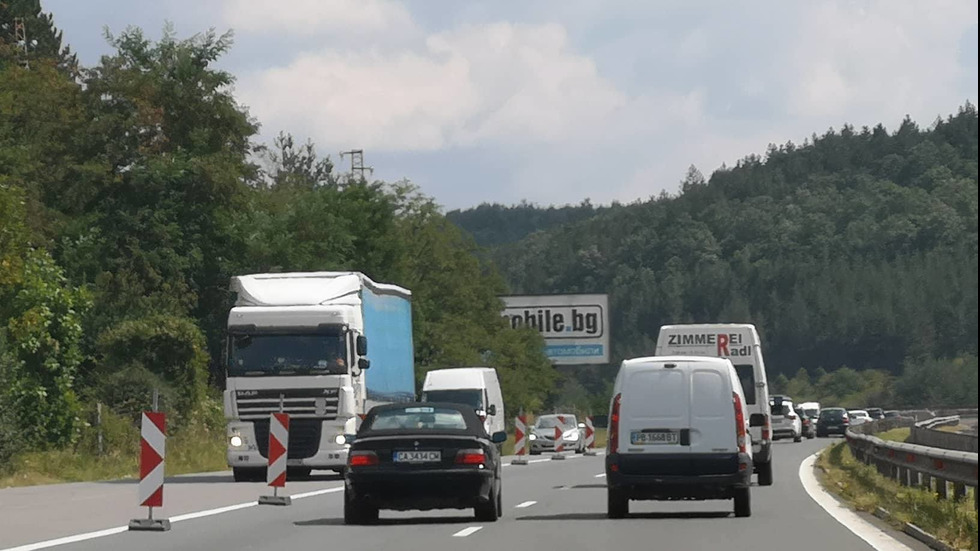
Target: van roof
{"type": "Point", "coordinates": [457, 377]}
{"type": "Point", "coordinates": [709, 325]}
{"type": "Point", "coordinates": [669, 359]}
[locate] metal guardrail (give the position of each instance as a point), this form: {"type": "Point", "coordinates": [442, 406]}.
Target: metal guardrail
{"type": "Point", "coordinates": [913, 465]}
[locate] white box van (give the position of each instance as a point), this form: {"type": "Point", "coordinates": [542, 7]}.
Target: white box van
{"type": "Point", "coordinates": [739, 342]}
{"type": "Point", "coordinates": [678, 429]}
{"type": "Point", "coordinates": [474, 386]}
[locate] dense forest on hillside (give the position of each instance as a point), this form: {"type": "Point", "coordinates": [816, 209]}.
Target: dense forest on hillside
{"type": "Point", "coordinates": [130, 193]}
{"type": "Point", "coordinates": [857, 248]}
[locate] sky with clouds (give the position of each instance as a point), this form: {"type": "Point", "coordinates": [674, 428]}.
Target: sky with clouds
{"type": "Point", "coordinates": [556, 101]}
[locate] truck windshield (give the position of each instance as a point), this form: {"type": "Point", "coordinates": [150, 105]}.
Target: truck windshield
{"type": "Point", "coordinates": [469, 397]}
{"type": "Point", "coordinates": [285, 354]}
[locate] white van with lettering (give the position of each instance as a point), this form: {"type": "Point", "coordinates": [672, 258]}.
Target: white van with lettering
{"type": "Point", "coordinates": [740, 343]}
{"type": "Point", "coordinates": [678, 429]}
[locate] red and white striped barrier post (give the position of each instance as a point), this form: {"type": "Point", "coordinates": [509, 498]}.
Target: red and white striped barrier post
{"type": "Point", "coordinates": [153, 443]}
{"type": "Point", "coordinates": [278, 452]}
{"type": "Point", "coordinates": [589, 436]}
{"type": "Point", "coordinates": [520, 440]}
{"type": "Point", "coordinates": [559, 443]}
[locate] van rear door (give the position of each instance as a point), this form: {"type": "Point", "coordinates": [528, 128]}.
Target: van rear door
{"type": "Point", "coordinates": [712, 411]}
{"type": "Point", "coordinates": [655, 414]}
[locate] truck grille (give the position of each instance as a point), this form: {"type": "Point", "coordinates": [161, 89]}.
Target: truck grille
{"type": "Point", "coordinates": [301, 403]}
{"type": "Point", "coordinates": [304, 437]}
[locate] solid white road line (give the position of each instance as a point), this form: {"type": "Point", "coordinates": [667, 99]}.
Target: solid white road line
{"type": "Point", "coordinates": [69, 539]}
{"type": "Point", "coordinates": [467, 531]}
{"type": "Point", "coordinates": [188, 516]}
{"type": "Point", "coordinates": [524, 505]}
{"type": "Point", "coordinates": [601, 475]}
{"type": "Point", "coordinates": [861, 528]}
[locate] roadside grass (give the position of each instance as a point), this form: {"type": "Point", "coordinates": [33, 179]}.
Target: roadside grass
{"type": "Point", "coordinates": [600, 441]}
{"type": "Point", "coordinates": [863, 488]}
{"type": "Point", "coordinates": [956, 428]}
{"type": "Point", "coordinates": [199, 446]}
{"type": "Point", "coordinates": [896, 435]}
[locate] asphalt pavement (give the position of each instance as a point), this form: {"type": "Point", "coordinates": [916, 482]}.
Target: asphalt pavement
{"type": "Point", "coordinates": [547, 504]}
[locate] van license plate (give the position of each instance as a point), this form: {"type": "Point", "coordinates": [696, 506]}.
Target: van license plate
{"type": "Point", "coordinates": [668, 437]}
{"type": "Point", "coordinates": [418, 457]}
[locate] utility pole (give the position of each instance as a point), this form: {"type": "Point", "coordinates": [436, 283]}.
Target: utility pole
{"type": "Point", "coordinates": [357, 168]}
{"type": "Point", "coordinates": [20, 37]}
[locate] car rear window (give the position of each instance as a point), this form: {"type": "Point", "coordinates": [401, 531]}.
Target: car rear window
{"type": "Point", "coordinates": [418, 418]}
{"type": "Point", "coordinates": [831, 414]}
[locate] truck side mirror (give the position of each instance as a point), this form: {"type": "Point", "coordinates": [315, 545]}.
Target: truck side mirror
{"type": "Point", "coordinates": [361, 345]}
{"type": "Point", "coordinates": [363, 363]}
{"type": "Point", "coordinates": [492, 410]}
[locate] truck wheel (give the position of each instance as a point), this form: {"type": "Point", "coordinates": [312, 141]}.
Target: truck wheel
{"type": "Point", "coordinates": [765, 474]}
{"type": "Point", "coordinates": [248, 474]}
{"type": "Point", "coordinates": [617, 503]}
{"type": "Point", "coordinates": [743, 504]}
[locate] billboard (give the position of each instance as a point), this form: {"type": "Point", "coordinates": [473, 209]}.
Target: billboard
{"type": "Point", "coordinates": [575, 327]}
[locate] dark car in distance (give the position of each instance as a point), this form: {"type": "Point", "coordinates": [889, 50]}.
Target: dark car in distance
{"type": "Point", "coordinates": [809, 423]}
{"type": "Point", "coordinates": [832, 421]}
{"type": "Point", "coordinates": [422, 456]}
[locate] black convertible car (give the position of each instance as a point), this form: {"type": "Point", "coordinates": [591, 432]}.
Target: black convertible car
{"type": "Point", "coordinates": [421, 456]}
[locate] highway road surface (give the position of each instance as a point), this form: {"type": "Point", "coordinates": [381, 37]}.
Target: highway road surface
{"type": "Point", "coordinates": [547, 505]}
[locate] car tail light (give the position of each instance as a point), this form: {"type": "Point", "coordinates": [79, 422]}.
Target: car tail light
{"type": "Point", "coordinates": [362, 458]}
{"type": "Point", "coordinates": [847, 421]}
{"type": "Point", "coordinates": [739, 422]}
{"type": "Point", "coordinates": [614, 424]}
{"type": "Point", "coordinates": [470, 457]}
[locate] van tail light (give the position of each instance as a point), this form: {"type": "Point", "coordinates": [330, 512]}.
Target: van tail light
{"type": "Point", "coordinates": [614, 424]}
{"type": "Point", "coordinates": [470, 457]}
{"type": "Point", "coordinates": [739, 422]}
{"type": "Point", "coordinates": [766, 429]}
{"type": "Point", "coordinates": [362, 458]}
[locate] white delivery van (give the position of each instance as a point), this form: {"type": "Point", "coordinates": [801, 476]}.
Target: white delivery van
{"type": "Point", "coordinates": [474, 386]}
{"type": "Point", "coordinates": [678, 429]}
{"type": "Point", "coordinates": [739, 342]}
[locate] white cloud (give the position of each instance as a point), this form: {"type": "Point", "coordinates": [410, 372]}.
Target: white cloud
{"type": "Point", "coordinates": [877, 59]}
{"type": "Point", "coordinates": [476, 84]}
{"type": "Point", "coordinates": [308, 17]}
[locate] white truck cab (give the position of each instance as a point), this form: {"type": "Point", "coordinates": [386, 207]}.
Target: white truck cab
{"type": "Point", "coordinates": [740, 343]}
{"type": "Point", "coordinates": [678, 429]}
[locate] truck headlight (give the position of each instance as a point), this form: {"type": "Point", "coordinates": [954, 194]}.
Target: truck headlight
{"type": "Point", "coordinates": [236, 441]}
{"type": "Point", "coordinates": [340, 439]}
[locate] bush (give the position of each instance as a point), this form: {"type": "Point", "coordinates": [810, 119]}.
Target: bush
{"type": "Point", "coordinates": [160, 350]}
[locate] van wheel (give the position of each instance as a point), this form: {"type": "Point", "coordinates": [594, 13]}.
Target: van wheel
{"type": "Point", "coordinates": [247, 474]}
{"type": "Point", "coordinates": [765, 474]}
{"type": "Point", "coordinates": [618, 505]}
{"type": "Point", "coordinates": [743, 505]}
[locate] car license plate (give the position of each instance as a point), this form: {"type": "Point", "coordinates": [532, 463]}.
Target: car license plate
{"type": "Point", "coordinates": [668, 437]}
{"type": "Point", "coordinates": [418, 456]}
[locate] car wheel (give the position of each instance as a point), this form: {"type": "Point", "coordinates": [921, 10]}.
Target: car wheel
{"type": "Point", "coordinates": [356, 512]}
{"type": "Point", "coordinates": [535, 452]}
{"type": "Point", "coordinates": [500, 501]}
{"type": "Point", "coordinates": [743, 504]}
{"type": "Point", "coordinates": [765, 474]}
{"type": "Point", "coordinates": [617, 503]}
{"type": "Point", "coordinates": [798, 438]}
{"type": "Point", "coordinates": [488, 512]}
